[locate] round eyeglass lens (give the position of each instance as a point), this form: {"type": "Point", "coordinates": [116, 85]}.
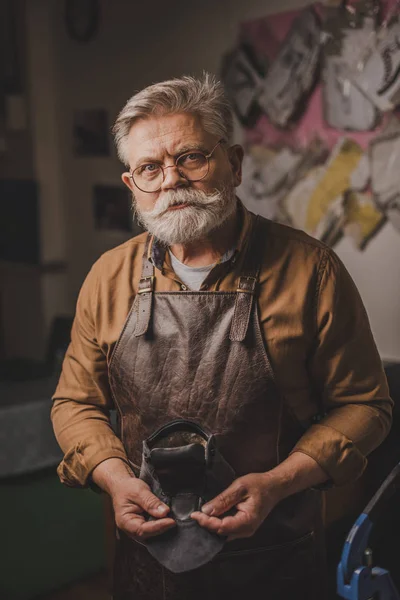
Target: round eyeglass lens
{"type": "Point", "coordinates": [148, 178]}
{"type": "Point", "coordinates": [193, 165]}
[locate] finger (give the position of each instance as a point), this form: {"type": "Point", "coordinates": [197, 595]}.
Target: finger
{"type": "Point", "coordinates": [151, 504]}
{"type": "Point", "coordinates": [211, 523]}
{"type": "Point", "coordinates": [140, 529]}
{"type": "Point", "coordinates": [239, 525]}
{"type": "Point", "coordinates": [226, 500]}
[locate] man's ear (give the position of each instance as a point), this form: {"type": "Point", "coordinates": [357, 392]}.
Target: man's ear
{"type": "Point", "coordinates": [236, 154]}
{"type": "Point", "coordinates": [127, 179]}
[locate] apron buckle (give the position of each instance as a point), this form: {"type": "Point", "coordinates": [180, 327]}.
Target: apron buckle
{"type": "Point", "coordinates": [247, 284]}
{"type": "Point", "coordinates": [146, 285]}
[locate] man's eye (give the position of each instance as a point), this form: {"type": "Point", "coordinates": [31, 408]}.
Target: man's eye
{"type": "Point", "coordinates": [193, 158]}
{"type": "Point", "coordinates": [149, 168]}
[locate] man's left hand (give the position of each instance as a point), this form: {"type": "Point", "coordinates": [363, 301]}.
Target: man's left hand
{"type": "Point", "coordinates": [253, 496]}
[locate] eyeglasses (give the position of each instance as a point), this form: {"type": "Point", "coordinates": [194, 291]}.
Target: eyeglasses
{"type": "Point", "coordinates": [192, 166]}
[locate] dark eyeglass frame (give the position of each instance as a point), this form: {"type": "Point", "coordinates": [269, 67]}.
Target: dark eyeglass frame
{"type": "Point", "coordinates": [207, 156]}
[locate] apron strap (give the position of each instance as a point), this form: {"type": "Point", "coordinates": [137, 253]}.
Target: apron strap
{"type": "Point", "coordinates": [246, 289]}
{"type": "Point", "coordinates": [145, 293]}
{"type": "Point", "coordinates": [244, 294]}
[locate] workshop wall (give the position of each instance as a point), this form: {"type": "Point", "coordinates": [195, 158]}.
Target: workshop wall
{"type": "Point", "coordinates": [134, 47]}
{"type": "Point", "coordinates": [21, 323]}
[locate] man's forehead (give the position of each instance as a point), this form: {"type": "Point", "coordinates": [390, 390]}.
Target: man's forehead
{"type": "Point", "coordinates": [165, 133]}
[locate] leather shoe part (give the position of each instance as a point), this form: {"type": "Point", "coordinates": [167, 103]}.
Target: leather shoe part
{"type": "Point", "coordinates": [184, 477]}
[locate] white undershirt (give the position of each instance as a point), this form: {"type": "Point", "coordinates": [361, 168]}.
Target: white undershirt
{"type": "Point", "coordinates": [193, 277]}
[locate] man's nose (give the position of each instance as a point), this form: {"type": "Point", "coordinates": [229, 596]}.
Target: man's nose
{"type": "Point", "coordinates": [173, 178]}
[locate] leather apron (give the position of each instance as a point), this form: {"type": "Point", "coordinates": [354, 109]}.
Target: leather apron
{"type": "Point", "coordinates": [200, 355]}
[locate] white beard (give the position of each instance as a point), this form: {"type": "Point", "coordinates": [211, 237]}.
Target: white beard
{"type": "Point", "coordinates": [205, 213]}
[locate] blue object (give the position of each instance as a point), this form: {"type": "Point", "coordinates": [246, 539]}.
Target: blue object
{"type": "Point", "coordinates": [357, 579]}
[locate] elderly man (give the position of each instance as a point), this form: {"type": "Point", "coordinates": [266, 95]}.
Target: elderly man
{"type": "Point", "coordinates": [246, 327]}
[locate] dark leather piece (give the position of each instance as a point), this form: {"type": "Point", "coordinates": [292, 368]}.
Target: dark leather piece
{"type": "Point", "coordinates": [195, 467]}
{"type": "Point", "coordinates": [183, 504]}
{"type": "Point", "coordinates": [184, 477]}
{"type": "Point", "coordinates": [179, 469]}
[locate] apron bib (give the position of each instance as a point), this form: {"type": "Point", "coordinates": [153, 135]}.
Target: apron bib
{"type": "Point", "coordinates": [201, 356]}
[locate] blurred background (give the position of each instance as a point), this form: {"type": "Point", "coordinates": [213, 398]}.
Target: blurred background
{"type": "Point", "coordinates": [66, 69]}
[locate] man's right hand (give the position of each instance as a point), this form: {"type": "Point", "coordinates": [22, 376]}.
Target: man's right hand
{"type": "Point", "coordinates": [132, 499]}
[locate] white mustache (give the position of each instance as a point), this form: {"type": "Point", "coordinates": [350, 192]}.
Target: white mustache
{"type": "Point", "coordinates": [182, 196]}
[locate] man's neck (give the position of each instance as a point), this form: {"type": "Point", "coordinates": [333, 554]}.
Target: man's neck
{"type": "Point", "coordinates": [209, 250]}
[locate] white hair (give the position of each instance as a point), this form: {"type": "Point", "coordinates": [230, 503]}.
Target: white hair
{"type": "Point", "coordinates": [203, 213]}
{"type": "Point", "coordinates": [203, 97]}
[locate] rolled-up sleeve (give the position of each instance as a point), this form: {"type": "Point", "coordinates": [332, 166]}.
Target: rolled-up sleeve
{"type": "Point", "coordinates": [347, 374]}
{"type": "Point", "coordinates": [82, 400]}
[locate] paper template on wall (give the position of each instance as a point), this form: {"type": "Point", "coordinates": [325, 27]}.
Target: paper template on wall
{"type": "Point", "coordinates": [378, 77]}
{"type": "Point", "coordinates": [326, 204]}
{"type": "Point", "coordinates": [362, 218]}
{"type": "Point", "coordinates": [346, 35]}
{"type": "Point", "coordinates": [292, 73]}
{"type": "Point", "coordinates": [316, 204]}
{"type": "Point", "coordinates": [269, 175]}
{"type": "Point", "coordinates": [242, 75]}
{"type": "Point", "coordinates": [332, 183]}
{"type": "Point", "coordinates": [385, 171]}
{"type": "Point", "coordinates": [340, 190]}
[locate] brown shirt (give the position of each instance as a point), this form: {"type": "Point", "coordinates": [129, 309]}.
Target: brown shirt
{"type": "Point", "coordinates": [316, 333]}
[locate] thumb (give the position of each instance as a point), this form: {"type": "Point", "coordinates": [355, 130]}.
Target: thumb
{"type": "Point", "coordinates": [151, 504]}
{"type": "Point", "coordinates": [226, 500]}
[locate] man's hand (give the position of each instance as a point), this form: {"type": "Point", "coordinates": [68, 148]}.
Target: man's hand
{"type": "Point", "coordinates": [255, 495]}
{"type": "Point", "coordinates": [252, 495]}
{"type": "Point", "coordinates": [132, 499]}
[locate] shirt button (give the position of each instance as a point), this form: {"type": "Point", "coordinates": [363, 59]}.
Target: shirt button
{"type": "Point", "coordinates": [183, 287]}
